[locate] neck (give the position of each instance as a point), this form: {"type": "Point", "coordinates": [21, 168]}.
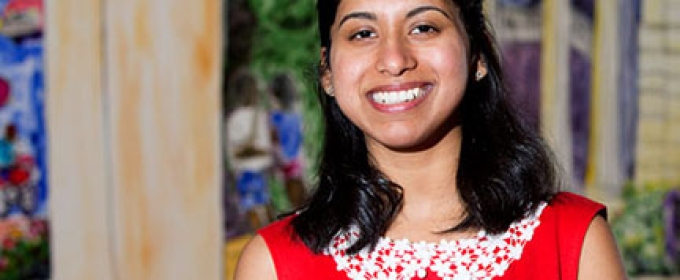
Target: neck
{"type": "Point", "coordinates": [428, 179]}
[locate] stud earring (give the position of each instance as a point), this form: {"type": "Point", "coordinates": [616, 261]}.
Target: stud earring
{"type": "Point", "coordinates": [479, 75]}
{"type": "Point", "coordinates": [330, 91]}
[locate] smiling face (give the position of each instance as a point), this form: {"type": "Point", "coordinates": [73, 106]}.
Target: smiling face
{"type": "Point", "coordinates": [399, 69]}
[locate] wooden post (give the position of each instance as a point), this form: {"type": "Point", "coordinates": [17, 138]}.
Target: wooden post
{"type": "Point", "coordinates": [604, 177]}
{"type": "Point", "coordinates": [555, 89]}
{"type": "Point", "coordinates": [78, 180]}
{"type": "Point", "coordinates": [134, 114]}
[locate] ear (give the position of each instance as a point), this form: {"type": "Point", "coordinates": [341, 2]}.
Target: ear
{"type": "Point", "coordinates": [325, 71]}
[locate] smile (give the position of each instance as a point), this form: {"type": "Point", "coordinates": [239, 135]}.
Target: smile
{"type": "Point", "coordinates": [396, 97]}
{"type": "Point", "coordinates": [399, 97]}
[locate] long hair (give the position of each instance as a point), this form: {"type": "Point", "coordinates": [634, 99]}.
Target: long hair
{"type": "Point", "coordinates": [505, 170]}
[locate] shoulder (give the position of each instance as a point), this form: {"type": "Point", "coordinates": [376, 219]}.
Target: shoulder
{"type": "Point", "coordinates": [282, 253]}
{"type": "Point", "coordinates": [571, 215]}
{"type": "Point", "coordinates": [585, 237]}
{"type": "Point", "coordinates": [240, 113]}
{"type": "Point", "coordinates": [255, 261]}
{"type": "Point", "coordinates": [600, 258]}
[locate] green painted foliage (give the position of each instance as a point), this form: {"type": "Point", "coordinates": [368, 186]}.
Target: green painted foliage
{"type": "Point", "coordinates": [639, 230]}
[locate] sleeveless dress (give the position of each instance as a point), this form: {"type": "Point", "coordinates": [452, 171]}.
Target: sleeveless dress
{"type": "Point", "coordinates": [545, 245]}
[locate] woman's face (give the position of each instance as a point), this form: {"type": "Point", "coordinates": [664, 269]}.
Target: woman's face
{"type": "Point", "coordinates": [398, 69]}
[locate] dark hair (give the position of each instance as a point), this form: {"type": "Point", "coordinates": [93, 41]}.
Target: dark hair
{"type": "Point", "coordinates": [243, 88]}
{"type": "Point", "coordinates": [283, 88]}
{"type": "Point", "coordinates": [505, 170]}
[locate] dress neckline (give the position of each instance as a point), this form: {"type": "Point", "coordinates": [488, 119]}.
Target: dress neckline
{"type": "Point", "coordinates": [481, 257]}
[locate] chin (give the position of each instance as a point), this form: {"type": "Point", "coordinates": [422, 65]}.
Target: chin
{"type": "Point", "coordinates": [415, 140]}
{"type": "Point", "coordinates": [402, 143]}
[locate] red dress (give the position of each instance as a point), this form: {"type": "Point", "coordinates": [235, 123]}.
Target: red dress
{"type": "Point", "coordinates": [546, 245]}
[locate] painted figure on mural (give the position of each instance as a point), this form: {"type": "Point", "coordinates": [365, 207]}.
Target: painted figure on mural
{"type": "Point", "coordinates": [22, 18]}
{"type": "Point", "coordinates": [427, 171]}
{"type": "Point", "coordinates": [287, 134]}
{"type": "Point", "coordinates": [18, 174]}
{"type": "Point", "coordinates": [21, 122]}
{"type": "Point", "coordinates": [249, 148]}
{"type": "Point", "coordinates": [241, 23]}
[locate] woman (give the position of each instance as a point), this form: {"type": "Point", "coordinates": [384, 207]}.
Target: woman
{"type": "Point", "coordinates": [426, 171]}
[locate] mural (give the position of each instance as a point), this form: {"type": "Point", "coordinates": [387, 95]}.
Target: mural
{"type": "Point", "coordinates": [518, 25]}
{"type": "Point", "coordinates": [270, 132]}
{"type": "Point", "coordinates": [24, 249]}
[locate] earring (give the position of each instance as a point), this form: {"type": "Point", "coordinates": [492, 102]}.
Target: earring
{"type": "Point", "coordinates": [479, 75]}
{"type": "Point", "coordinates": [330, 91]}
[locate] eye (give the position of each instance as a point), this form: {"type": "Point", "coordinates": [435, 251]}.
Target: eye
{"type": "Point", "coordinates": [363, 34]}
{"type": "Point", "coordinates": [424, 29]}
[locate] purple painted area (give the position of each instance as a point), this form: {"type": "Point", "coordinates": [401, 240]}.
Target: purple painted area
{"type": "Point", "coordinates": [628, 84]}
{"type": "Point", "coordinates": [579, 80]}
{"type": "Point", "coordinates": [522, 67]}
{"type": "Point", "coordinates": [671, 213]}
{"type": "Point", "coordinates": [521, 3]}
{"type": "Point", "coordinates": [584, 6]}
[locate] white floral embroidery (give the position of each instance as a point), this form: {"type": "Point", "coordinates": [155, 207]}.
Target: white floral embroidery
{"type": "Point", "coordinates": [483, 257]}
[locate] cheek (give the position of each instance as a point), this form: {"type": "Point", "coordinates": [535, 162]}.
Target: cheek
{"type": "Point", "coordinates": [347, 71]}
{"type": "Point", "coordinates": [451, 63]}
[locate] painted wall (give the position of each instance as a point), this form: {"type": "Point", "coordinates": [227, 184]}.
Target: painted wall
{"type": "Point", "coordinates": [24, 219]}
{"type": "Point", "coordinates": [658, 151]}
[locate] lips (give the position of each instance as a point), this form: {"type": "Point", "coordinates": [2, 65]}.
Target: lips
{"type": "Point", "coordinates": [399, 97]}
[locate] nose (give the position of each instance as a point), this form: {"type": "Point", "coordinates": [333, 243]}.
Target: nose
{"type": "Point", "coordinates": [394, 57]}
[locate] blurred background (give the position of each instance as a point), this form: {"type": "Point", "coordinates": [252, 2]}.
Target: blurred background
{"type": "Point", "coordinates": [119, 163]}
{"type": "Point", "coordinates": [599, 78]}
{"type": "Point", "coordinates": [24, 227]}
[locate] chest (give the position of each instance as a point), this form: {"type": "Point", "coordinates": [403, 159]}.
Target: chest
{"type": "Point", "coordinates": [524, 251]}
{"type": "Point", "coordinates": [539, 260]}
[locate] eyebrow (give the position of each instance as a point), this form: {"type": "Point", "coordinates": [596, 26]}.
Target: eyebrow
{"type": "Point", "coordinates": [423, 9]}
{"type": "Point", "coordinates": [412, 13]}
{"type": "Point", "coordinates": [362, 15]}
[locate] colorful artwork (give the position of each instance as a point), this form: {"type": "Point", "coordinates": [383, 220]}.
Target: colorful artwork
{"type": "Point", "coordinates": [22, 18]}
{"type": "Point", "coordinates": [278, 66]}
{"type": "Point", "coordinates": [22, 130]}
{"type": "Point", "coordinates": [24, 231]}
{"type": "Point", "coordinates": [519, 32]}
{"type": "Point", "coordinates": [647, 230]}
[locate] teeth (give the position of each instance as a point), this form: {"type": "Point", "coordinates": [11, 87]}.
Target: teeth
{"type": "Point", "coordinates": [394, 97]}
